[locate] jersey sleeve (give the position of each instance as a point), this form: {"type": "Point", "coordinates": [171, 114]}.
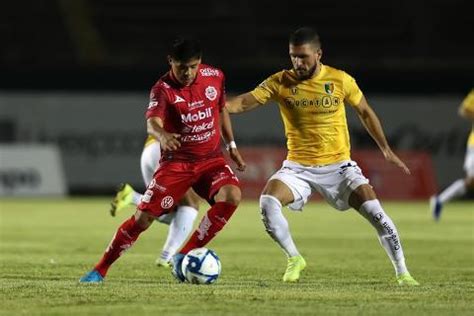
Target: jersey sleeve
{"type": "Point", "coordinates": [157, 104]}
{"type": "Point", "coordinates": [267, 90]}
{"type": "Point", "coordinates": [352, 92]}
{"type": "Point", "coordinates": [468, 102]}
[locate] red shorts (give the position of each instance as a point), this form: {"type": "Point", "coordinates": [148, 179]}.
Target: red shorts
{"type": "Point", "coordinates": [172, 179]}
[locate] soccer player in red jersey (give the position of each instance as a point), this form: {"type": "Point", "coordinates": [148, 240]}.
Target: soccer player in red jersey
{"type": "Point", "coordinates": [187, 115]}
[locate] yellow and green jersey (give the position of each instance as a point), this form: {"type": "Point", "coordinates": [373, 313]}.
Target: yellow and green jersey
{"type": "Point", "coordinates": [313, 113]}
{"type": "Point", "coordinates": [468, 104]}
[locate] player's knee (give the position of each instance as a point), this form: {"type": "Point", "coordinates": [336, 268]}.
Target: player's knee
{"type": "Point", "coordinates": [229, 194]}
{"type": "Point", "coordinates": [470, 183]}
{"type": "Point", "coordinates": [143, 219]}
{"type": "Point", "coordinates": [269, 203]}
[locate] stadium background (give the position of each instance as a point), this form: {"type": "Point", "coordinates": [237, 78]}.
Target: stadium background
{"type": "Point", "coordinates": [76, 75]}
{"type": "Point", "coordinates": [74, 83]}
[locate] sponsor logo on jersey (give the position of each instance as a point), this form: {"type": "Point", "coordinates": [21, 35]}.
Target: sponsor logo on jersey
{"type": "Point", "coordinates": [178, 99]}
{"type": "Point", "coordinates": [198, 138]}
{"type": "Point", "coordinates": [196, 104]}
{"type": "Point", "coordinates": [211, 93]}
{"type": "Point", "coordinates": [329, 87]}
{"type": "Point", "coordinates": [202, 127]}
{"type": "Point", "coordinates": [209, 72]}
{"type": "Point", "coordinates": [200, 115]}
{"type": "Point", "coordinates": [323, 102]}
{"type": "Point", "coordinates": [167, 202]}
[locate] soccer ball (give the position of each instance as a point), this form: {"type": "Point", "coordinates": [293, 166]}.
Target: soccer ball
{"type": "Point", "coordinates": [201, 266]}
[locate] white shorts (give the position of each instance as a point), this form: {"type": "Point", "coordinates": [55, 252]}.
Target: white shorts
{"type": "Point", "coordinates": [469, 162]}
{"type": "Point", "coordinates": [149, 161]}
{"type": "Point", "coordinates": [335, 182]}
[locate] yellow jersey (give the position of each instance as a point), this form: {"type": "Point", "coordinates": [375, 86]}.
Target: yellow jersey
{"type": "Point", "coordinates": [468, 104]}
{"type": "Point", "coordinates": [313, 113]}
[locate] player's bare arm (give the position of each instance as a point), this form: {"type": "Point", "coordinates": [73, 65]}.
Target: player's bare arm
{"type": "Point", "coordinates": [228, 135]}
{"type": "Point", "coordinates": [373, 126]}
{"type": "Point", "coordinates": [242, 103]}
{"type": "Point", "coordinates": [168, 141]}
{"type": "Point", "coordinates": [466, 113]}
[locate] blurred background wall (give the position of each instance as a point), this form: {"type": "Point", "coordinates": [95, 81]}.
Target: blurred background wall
{"type": "Point", "coordinates": [76, 75]}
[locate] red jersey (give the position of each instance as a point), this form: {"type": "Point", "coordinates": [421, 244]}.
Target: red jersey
{"type": "Point", "coordinates": [191, 111]}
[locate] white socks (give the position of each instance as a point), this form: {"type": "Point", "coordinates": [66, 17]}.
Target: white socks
{"type": "Point", "coordinates": [387, 232]}
{"type": "Point", "coordinates": [136, 197]}
{"type": "Point", "coordinates": [180, 227]}
{"type": "Point", "coordinates": [276, 224]}
{"type": "Point", "coordinates": [456, 189]}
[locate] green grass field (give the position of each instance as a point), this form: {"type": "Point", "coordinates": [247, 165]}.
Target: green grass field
{"type": "Point", "coordinates": [46, 245]}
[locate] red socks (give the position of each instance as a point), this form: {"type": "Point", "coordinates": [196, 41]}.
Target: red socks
{"type": "Point", "coordinates": [215, 219]}
{"type": "Point", "coordinates": [124, 238]}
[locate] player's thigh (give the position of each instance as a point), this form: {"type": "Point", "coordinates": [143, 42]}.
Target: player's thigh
{"type": "Point", "coordinates": [290, 186]}
{"type": "Point", "coordinates": [214, 175]}
{"type": "Point", "coordinates": [279, 190]}
{"type": "Point", "coordinates": [190, 199]}
{"type": "Point", "coordinates": [149, 161]}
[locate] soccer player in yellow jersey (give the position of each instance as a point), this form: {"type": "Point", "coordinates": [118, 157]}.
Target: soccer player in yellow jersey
{"type": "Point", "coordinates": [311, 99]}
{"type": "Point", "coordinates": [460, 186]}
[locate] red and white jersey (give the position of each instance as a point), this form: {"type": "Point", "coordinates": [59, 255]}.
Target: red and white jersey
{"type": "Point", "coordinates": [191, 111]}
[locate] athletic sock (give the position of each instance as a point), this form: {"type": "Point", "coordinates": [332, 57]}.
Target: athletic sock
{"type": "Point", "coordinates": [123, 239]}
{"type": "Point", "coordinates": [276, 224]}
{"type": "Point", "coordinates": [180, 227]}
{"type": "Point", "coordinates": [456, 189]}
{"type": "Point", "coordinates": [136, 198]}
{"type": "Point", "coordinates": [387, 233]}
{"type": "Point", "coordinates": [214, 220]}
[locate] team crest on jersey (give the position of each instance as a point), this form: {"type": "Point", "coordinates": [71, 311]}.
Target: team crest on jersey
{"type": "Point", "coordinates": [167, 202]}
{"type": "Point", "coordinates": [329, 87]}
{"type": "Point", "coordinates": [211, 93]}
{"type": "Point", "coordinates": [294, 90]}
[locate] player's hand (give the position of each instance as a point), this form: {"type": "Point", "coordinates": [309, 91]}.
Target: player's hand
{"type": "Point", "coordinates": [237, 158]}
{"type": "Point", "coordinates": [392, 158]}
{"type": "Point", "coordinates": [169, 141]}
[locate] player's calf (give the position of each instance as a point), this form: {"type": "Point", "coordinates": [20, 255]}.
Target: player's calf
{"type": "Point", "coordinates": [123, 239]}
{"type": "Point", "coordinates": [387, 233]}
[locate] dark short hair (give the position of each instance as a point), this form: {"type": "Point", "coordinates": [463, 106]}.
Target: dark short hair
{"type": "Point", "coordinates": [184, 49]}
{"type": "Point", "coordinates": [305, 35]}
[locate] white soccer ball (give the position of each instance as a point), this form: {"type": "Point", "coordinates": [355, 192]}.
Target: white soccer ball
{"type": "Point", "coordinates": [201, 266]}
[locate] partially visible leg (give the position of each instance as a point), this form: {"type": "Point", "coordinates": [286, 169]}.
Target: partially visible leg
{"type": "Point", "coordinates": [180, 226]}
{"type": "Point", "coordinates": [226, 201]}
{"type": "Point", "coordinates": [123, 239]}
{"type": "Point", "coordinates": [126, 196]}
{"type": "Point", "coordinates": [274, 195]}
{"type": "Point", "coordinates": [364, 200]}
